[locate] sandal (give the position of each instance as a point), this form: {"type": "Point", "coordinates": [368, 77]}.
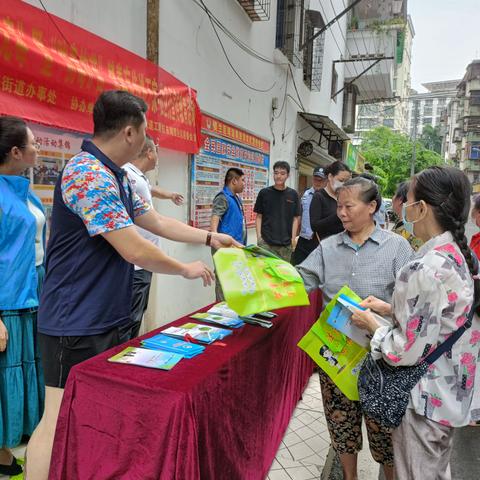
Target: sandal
{"type": "Point", "coordinates": [13, 469]}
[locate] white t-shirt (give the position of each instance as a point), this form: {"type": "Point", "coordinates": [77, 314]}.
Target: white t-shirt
{"type": "Point", "coordinates": [40, 222]}
{"type": "Point", "coordinates": [140, 184]}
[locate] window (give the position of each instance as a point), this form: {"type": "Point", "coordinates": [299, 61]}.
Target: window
{"type": "Point", "coordinates": [474, 97]}
{"type": "Point", "coordinates": [313, 51]}
{"type": "Point", "coordinates": [334, 82]}
{"type": "Point", "coordinates": [285, 36]}
{"type": "Point", "coordinates": [427, 110]}
{"type": "Point", "coordinates": [388, 122]}
{"type": "Point", "coordinates": [349, 103]}
{"type": "Point", "coordinates": [366, 123]}
{"type": "Point", "coordinates": [475, 151]}
{"type": "Point", "coordinates": [427, 121]}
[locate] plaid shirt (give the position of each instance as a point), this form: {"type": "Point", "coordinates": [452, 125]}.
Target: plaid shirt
{"type": "Point", "coordinates": [368, 269]}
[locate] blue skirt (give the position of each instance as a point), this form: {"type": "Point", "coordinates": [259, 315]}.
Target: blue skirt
{"type": "Point", "coordinates": [22, 389]}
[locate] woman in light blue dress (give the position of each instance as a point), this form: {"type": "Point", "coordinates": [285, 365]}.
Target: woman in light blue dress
{"type": "Point", "coordinates": [22, 242]}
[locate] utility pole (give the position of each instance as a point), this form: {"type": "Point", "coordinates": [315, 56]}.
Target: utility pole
{"type": "Point", "coordinates": [414, 151]}
{"type": "Point", "coordinates": [153, 7]}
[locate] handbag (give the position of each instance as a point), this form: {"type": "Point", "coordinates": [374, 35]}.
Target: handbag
{"type": "Point", "coordinates": [384, 390]}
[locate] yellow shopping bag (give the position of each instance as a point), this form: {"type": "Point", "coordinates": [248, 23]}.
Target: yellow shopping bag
{"type": "Point", "coordinates": [336, 354]}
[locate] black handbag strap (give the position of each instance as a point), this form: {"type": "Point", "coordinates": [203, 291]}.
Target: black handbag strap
{"type": "Point", "coordinates": [450, 341]}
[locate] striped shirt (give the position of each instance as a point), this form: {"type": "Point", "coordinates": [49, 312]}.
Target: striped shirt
{"type": "Point", "coordinates": [368, 269]}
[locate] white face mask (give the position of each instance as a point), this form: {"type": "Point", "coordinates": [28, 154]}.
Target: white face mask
{"type": "Point", "coordinates": [337, 184]}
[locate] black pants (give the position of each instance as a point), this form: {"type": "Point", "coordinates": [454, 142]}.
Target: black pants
{"type": "Point", "coordinates": [303, 249]}
{"type": "Point", "coordinates": [142, 279]}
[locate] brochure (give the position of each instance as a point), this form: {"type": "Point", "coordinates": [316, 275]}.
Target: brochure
{"type": "Point", "coordinates": [219, 320]}
{"type": "Point", "coordinates": [224, 310]}
{"type": "Point", "coordinates": [147, 358]}
{"type": "Point", "coordinates": [200, 333]}
{"type": "Point", "coordinates": [340, 319]}
{"type": "Point", "coordinates": [169, 344]}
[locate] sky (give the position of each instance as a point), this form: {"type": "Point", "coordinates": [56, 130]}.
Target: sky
{"type": "Point", "coordinates": [447, 39]}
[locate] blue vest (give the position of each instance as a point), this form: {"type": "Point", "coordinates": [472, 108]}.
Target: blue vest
{"type": "Point", "coordinates": [232, 221]}
{"type": "Point", "coordinates": [18, 276]}
{"type": "Point", "coordinates": [88, 285]}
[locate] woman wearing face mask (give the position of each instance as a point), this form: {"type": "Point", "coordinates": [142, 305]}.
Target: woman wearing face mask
{"type": "Point", "coordinates": [432, 298]}
{"type": "Point", "coordinates": [366, 258]}
{"type": "Point", "coordinates": [22, 239]}
{"type": "Point", "coordinates": [323, 209]}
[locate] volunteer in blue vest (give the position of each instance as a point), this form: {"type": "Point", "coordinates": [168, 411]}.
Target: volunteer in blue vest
{"type": "Point", "coordinates": [86, 298]}
{"type": "Point", "coordinates": [308, 240]}
{"type": "Point", "coordinates": [227, 213]}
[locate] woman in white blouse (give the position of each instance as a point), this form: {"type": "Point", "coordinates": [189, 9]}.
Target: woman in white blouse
{"type": "Point", "coordinates": [432, 298]}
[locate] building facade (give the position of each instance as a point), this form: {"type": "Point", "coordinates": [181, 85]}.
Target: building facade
{"type": "Point", "coordinates": [430, 105]}
{"type": "Point", "coordinates": [390, 30]}
{"type": "Point", "coordinates": [461, 125]}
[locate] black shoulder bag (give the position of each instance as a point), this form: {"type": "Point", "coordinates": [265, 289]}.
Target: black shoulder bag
{"type": "Point", "coordinates": [385, 390]}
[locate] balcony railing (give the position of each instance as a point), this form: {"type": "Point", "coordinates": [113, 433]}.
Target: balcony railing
{"type": "Point", "coordinates": [257, 10]}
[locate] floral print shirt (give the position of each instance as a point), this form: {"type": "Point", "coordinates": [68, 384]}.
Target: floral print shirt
{"type": "Point", "coordinates": [91, 191]}
{"type": "Point", "coordinates": [432, 298]}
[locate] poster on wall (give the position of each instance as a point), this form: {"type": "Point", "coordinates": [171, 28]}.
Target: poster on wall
{"type": "Point", "coordinates": [224, 146]}
{"type": "Point", "coordinates": [56, 148]}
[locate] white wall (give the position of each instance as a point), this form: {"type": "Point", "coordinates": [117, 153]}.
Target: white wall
{"type": "Point", "coordinates": [120, 21]}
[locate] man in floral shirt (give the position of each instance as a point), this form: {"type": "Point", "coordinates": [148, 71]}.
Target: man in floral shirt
{"type": "Point", "coordinates": [86, 298]}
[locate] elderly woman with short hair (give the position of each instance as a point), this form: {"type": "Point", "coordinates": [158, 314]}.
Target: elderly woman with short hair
{"type": "Point", "coordinates": [366, 258]}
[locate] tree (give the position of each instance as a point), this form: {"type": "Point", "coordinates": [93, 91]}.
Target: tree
{"type": "Point", "coordinates": [390, 155]}
{"type": "Point", "coordinates": [431, 138]}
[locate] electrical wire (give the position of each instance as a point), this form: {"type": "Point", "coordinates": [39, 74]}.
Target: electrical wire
{"type": "Point", "coordinates": [254, 53]}
{"type": "Point", "coordinates": [295, 86]}
{"type": "Point", "coordinates": [261, 90]}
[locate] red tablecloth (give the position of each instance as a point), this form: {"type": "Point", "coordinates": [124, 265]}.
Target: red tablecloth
{"type": "Point", "coordinates": [218, 416]}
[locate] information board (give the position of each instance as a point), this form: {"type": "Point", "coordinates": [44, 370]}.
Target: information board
{"type": "Point", "coordinates": [209, 167]}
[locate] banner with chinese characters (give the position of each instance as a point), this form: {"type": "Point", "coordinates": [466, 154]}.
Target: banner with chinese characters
{"type": "Point", "coordinates": [52, 71]}
{"type": "Point", "coordinates": [238, 149]}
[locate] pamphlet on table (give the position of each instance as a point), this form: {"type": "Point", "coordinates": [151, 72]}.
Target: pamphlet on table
{"type": "Point", "coordinates": [147, 358]}
{"type": "Point", "coordinates": [170, 344]}
{"type": "Point", "coordinates": [196, 332]}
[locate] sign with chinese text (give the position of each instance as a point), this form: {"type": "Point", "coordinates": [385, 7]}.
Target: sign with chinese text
{"type": "Point", "coordinates": [54, 78]}
{"type": "Point", "coordinates": [216, 156]}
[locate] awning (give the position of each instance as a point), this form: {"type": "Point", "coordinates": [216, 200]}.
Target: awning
{"type": "Point", "coordinates": [325, 126]}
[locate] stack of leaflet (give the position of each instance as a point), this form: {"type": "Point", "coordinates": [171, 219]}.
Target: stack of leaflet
{"type": "Point", "coordinates": [220, 314]}
{"type": "Point", "coordinates": [197, 333]}
{"type": "Point", "coordinates": [169, 344]}
{"type": "Point", "coordinates": [219, 320]}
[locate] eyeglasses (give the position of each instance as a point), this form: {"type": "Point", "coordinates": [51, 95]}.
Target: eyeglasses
{"type": "Point", "coordinates": [36, 146]}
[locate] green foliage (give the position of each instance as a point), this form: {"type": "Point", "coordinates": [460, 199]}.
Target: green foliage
{"type": "Point", "coordinates": [431, 138]}
{"type": "Point", "coordinates": [390, 155]}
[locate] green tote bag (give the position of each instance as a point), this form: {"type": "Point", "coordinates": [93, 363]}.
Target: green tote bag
{"type": "Point", "coordinates": [254, 280]}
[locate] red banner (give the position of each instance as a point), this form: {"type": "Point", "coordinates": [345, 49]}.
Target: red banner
{"type": "Point", "coordinates": [54, 78]}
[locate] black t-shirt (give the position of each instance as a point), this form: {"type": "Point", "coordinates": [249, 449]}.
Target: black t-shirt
{"type": "Point", "coordinates": [323, 215]}
{"type": "Point", "coordinates": [278, 209]}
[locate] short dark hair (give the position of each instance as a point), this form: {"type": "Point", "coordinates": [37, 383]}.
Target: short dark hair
{"type": "Point", "coordinates": [335, 168]}
{"type": "Point", "coordinates": [281, 164]}
{"type": "Point", "coordinates": [115, 109]}
{"type": "Point", "coordinates": [149, 143]}
{"type": "Point", "coordinates": [13, 133]}
{"type": "Point", "coordinates": [233, 173]}
{"type": "Point", "coordinates": [402, 191]}
{"type": "Point", "coordinates": [369, 191]}
{"type": "Point", "coordinates": [369, 176]}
